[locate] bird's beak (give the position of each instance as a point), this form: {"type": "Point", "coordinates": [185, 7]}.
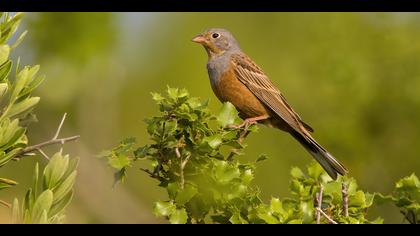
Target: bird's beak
{"type": "Point", "coordinates": [199, 39]}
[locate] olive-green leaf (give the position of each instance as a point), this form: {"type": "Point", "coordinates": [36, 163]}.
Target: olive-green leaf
{"type": "Point", "coordinates": [184, 195]}
{"type": "Point", "coordinates": [179, 216]}
{"type": "Point", "coordinates": [15, 211]}
{"type": "Point", "coordinates": [227, 115]}
{"type": "Point", "coordinates": [65, 187]}
{"type": "Point", "coordinates": [23, 106]}
{"type": "Point", "coordinates": [4, 53]}
{"type": "Point", "coordinates": [43, 203]}
{"type": "Point", "coordinates": [55, 170]}
{"type": "Point", "coordinates": [163, 208]}
{"type": "Point", "coordinates": [5, 70]}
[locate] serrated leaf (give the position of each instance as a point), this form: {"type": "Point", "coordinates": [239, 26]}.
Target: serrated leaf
{"type": "Point", "coordinates": [163, 208]}
{"type": "Point", "coordinates": [227, 115]}
{"type": "Point", "coordinates": [297, 173]}
{"type": "Point", "coordinates": [225, 173]}
{"type": "Point", "coordinates": [119, 162]}
{"type": "Point", "coordinates": [357, 200]}
{"type": "Point", "coordinates": [315, 170]}
{"type": "Point", "coordinates": [179, 216]}
{"type": "Point", "coordinates": [213, 141]}
{"type": "Point", "coordinates": [157, 97]}
{"type": "Point", "coordinates": [185, 195]}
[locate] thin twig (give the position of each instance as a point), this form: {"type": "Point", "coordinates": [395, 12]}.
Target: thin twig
{"type": "Point", "coordinates": [319, 201]}
{"type": "Point", "coordinates": [54, 140]}
{"type": "Point", "coordinates": [6, 204]}
{"type": "Point", "coordinates": [153, 175]}
{"type": "Point", "coordinates": [60, 126]}
{"type": "Point", "coordinates": [345, 199]}
{"type": "Point", "coordinates": [43, 154]}
{"type": "Point", "coordinates": [326, 216]}
{"type": "Point", "coordinates": [182, 166]}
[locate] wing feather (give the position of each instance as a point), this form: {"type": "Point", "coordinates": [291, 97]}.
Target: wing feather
{"type": "Point", "coordinates": [261, 86]}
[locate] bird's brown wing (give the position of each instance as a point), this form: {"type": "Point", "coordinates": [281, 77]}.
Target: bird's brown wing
{"type": "Point", "coordinates": [261, 86]}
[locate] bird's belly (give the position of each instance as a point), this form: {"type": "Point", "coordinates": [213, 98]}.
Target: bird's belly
{"type": "Point", "coordinates": [229, 89]}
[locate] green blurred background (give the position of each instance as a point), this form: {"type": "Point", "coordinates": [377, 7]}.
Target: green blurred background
{"type": "Point", "coordinates": [355, 77]}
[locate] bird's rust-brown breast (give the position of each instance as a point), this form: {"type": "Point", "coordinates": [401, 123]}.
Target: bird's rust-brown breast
{"type": "Point", "coordinates": [230, 89]}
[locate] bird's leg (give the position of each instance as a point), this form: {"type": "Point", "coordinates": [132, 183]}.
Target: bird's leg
{"type": "Point", "coordinates": [250, 121]}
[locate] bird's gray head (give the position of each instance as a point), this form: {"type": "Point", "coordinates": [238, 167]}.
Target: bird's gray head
{"type": "Point", "coordinates": [217, 41]}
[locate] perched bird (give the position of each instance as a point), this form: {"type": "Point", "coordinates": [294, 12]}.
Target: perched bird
{"type": "Point", "coordinates": [235, 78]}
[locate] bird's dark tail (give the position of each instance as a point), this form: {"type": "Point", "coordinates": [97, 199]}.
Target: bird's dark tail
{"type": "Point", "coordinates": [331, 165]}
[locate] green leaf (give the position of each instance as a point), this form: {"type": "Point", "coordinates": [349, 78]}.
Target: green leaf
{"type": "Point", "coordinates": [43, 203]}
{"type": "Point", "coordinates": [227, 115]}
{"type": "Point", "coordinates": [24, 106]}
{"type": "Point", "coordinates": [297, 173]}
{"type": "Point", "coordinates": [119, 162]}
{"type": "Point", "coordinates": [225, 173]}
{"type": "Point", "coordinates": [357, 200]}
{"type": "Point", "coordinates": [19, 40]}
{"type": "Point", "coordinates": [408, 183]}
{"type": "Point", "coordinates": [4, 53]}
{"type": "Point", "coordinates": [185, 195]}
{"type": "Point", "coordinates": [315, 170]}
{"type": "Point", "coordinates": [164, 208]}
{"type": "Point", "coordinates": [141, 152]}
{"type": "Point", "coordinates": [6, 157]}
{"type": "Point", "coordinates": [179, 216]}
{"type": "Point", "coordinates": [7, 183]}
{"type": "Point", "coordinates": [261, 158]}
{"type": "Point", "coordinates": [5, 70]}
{"type": "Point", "coordinates": [213, 141]}
{"type": "Point", "coordinates": [15, 211]}
{"type": "Point", "coordinates": [55, 170]}
{"type": "Point", "coordinates": [61, 205]}
{"type": "Point", "coordinates": [276, 206]}
{"type": "Point", "coordinates": [43, 219]}
{"type": "Point", "coordinates": [157, 97]}
{"type": "Point", "coordinates": [236, 218]}
{"type": "Point", "coordinates": [3, 89]}
{"type": "Point", "coordinates": [64, 188]}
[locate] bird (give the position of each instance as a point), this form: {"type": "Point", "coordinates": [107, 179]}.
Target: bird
{"type": "Point", "coordinates": [236, 78]}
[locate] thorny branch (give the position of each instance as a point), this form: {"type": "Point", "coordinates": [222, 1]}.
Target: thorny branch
{"type": "Point", "coordinates": [319, 201]}
{"type": "Point", "coordinates": [326, 216]}
{"type": "Point", "coordinates": [345, 199]}
{"type": "Point", "coordinates": [54, 140]}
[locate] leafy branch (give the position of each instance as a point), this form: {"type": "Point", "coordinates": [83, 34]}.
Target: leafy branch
{"type": "Point", "coordinates": [194, 156]}
{"type": "Point", "coordinates": [16, 112]}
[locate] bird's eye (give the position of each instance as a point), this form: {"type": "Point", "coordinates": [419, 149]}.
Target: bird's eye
{"type": "Point", "coordinates": [215, 35]}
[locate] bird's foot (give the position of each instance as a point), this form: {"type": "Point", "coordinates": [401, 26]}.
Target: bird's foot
{"type": "Point", "coordinates": [246, 124]}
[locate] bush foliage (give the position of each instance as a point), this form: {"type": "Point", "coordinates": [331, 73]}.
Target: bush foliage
{"type": "Point", "coordinates": [46, 203]}
{"type": "Point", "coordinates": [194, 155]}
